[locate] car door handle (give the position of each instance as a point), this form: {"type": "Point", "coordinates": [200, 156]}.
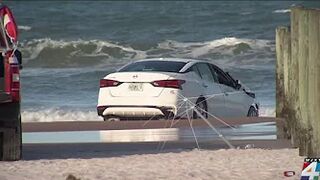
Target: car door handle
{"type": "Point", "coordinates": [204, 85]}
{"type": "Point", "coordinates": [226, 93]}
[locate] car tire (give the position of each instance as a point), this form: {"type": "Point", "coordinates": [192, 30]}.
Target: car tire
{"type": "Point", "coordinates": [111, 118]}
{"type": "Point", "coordinates": [201, 104]}
{"type": "Point", "coordinates": [252, 112]}
{"type": "Point", "coordinates": [12, 143]}
{"type": "Point", "coordinates": [168, 115]}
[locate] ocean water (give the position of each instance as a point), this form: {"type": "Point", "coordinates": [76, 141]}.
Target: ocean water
{"type": "Point", "coordinates": [68, 46]}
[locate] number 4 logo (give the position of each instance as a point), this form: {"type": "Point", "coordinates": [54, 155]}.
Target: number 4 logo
{"type": "Point", "coordinates": [310, 171]}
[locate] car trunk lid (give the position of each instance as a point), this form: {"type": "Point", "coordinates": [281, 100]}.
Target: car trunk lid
{"type": "Point", "coordinates": [137, 83]}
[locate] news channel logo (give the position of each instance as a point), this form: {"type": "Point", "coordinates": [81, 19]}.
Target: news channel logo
{"type": "Point", "coordinates": [311, 169]}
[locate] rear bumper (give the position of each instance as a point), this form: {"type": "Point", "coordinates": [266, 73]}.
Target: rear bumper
{"type": "Point", "coordinates": [135, 111]}
{"type": "Point", "coordinates": [9, 114]}
{"type": "Point", "coordinates": [138, 106]}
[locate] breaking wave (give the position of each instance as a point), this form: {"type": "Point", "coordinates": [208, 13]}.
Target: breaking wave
{"type": "Point", "coordinates": [53, 115]}
{"type": "Point", "coordinates": [80, 53]}
{"type": "Point", "coordinates": [267, 112]}
{"type": "Point", "coordinates": [59, 53]}
{"type": "Point", "coordinates": [282, 11]}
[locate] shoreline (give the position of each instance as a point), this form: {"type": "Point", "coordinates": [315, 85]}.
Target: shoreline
{"type": "Point", "coordinates": [135, 124]}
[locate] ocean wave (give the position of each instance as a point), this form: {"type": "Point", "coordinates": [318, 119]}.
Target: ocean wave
{"type": "Point", "coordinates": [225, 46]}
{"type": "Point", "coordinates": [25, 28]}
{"type": "Point", "coordinates": [245, 13]}
{"type": "Point", "coordinates": [282, 11]}
{"type": "Point", "coordinates": [80, 53]}
{"type": "Point", "coordinates": [58, 53]}
{"type": "Point", "coordinates": [54, 115]}
{"type": "Point", "coordinates": [267, 112]}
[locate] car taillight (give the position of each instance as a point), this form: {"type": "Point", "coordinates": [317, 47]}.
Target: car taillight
{"type": "Point", "coordinates": [171, 83]}
{"type": "Point", "coordinates": [108, 83]}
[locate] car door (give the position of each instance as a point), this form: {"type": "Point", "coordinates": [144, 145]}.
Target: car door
{"type": "Point", "coordinates": [236, 100]}
{"type": "Point", "coordinates": [213, 94]}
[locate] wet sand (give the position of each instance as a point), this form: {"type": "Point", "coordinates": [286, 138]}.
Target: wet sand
{"type": "Point", "coordinates": [103, 150]}
{"type": "Point", "coordinates": [120, 125]}
{"type": "Point", "coordinates": [110, 148]}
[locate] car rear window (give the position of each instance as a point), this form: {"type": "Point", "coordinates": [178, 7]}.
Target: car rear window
{"type": "Point", "coordinates": [160, 66]}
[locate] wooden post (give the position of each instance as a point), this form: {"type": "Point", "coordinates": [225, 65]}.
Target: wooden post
{"type": "Point", "coordinates": [303, 63]}
{"type": "Point", "coordinates": [314, 81]}
{"type": "Point", "coordinates": [294, 106]}
{"type": "Point", "coordinates": [283, 52]}
{"type": "Point", "coordinates": [298, 80]}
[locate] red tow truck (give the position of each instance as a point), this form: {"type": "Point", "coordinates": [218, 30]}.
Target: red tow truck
{"type": "Point", "coordinates": [10, 98]}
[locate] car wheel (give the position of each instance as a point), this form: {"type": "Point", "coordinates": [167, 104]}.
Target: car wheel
{"type": "Point", "coordinates": [201, 106]}
{"type": "Point", "coordinates": [111, 118]}
{"type": "Point", "coordinates": [252, 112]}
{"type": "Point", "coordinates": [169, 115]}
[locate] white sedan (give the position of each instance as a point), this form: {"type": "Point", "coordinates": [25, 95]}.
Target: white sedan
{"type": "Point", "coordinates": [173, 88]}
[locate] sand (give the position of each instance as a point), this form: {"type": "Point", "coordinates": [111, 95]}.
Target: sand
{"type": "Point", "coordinates": [195, 164]}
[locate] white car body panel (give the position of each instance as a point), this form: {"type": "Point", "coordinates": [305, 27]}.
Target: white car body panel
{"type": "Point", "coordinates": [133, 111]}
{"type": "Point", "coordinates": [146, 100]}
{"type": "Point", "coordinates": [151, 96]}
{"type": "Point", "coordinates": [237, 102]}
{"type": "Point", "coordinates": [213, 95]}
{"type": "Point", "coordinates": [142, 78]}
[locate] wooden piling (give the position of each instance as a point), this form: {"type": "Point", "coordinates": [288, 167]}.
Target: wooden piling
{"type": "Point", "coordinates": [283, 52]}
{"type": "Point", "coordinates": [314, 82]}
{"type": "Point", "coordinates": [298, 91]}
{"type": "Point", "coordinates": [294, 107]}
{"type": "Point", "coordinates": [303, 63]}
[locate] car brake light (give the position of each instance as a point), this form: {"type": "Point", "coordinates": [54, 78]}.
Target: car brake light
{"type": "Point", "coordinates": [171, 83]}
{"type": "Point", "coordinates": [109, 83]}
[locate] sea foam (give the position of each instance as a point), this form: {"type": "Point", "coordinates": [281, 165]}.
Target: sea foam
{"type": "Point", "coordinates": [282, 11]}
{"type": "Point", "coordinates": [25, 28]}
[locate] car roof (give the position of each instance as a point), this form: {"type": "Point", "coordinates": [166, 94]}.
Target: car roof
{"type": "Point", "coordinates": [172, 59]}
{"type": "Point", "coordinates": [189, 62]}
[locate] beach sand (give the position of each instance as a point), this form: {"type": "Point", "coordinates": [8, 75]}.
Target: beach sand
{"type": "Point", "coordinates": [252, 159]}
{"type": "Point", "coordinates": [187, 164]}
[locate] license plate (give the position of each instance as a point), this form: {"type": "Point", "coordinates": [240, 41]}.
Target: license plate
{"type": "Point", "coordinates": [136, 87]}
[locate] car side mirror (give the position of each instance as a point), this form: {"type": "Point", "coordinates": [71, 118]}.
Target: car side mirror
{"type": "Point", "coordinates": [238, 84]}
